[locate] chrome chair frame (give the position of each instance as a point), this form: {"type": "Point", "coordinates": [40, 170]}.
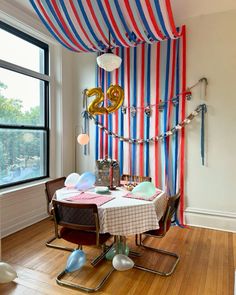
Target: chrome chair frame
{"type": "Point", "coordinates": [171, 209]}
{"type": "Point", "coordinates": [95, 261]}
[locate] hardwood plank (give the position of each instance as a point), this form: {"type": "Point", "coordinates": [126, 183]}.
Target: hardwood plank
{"type": "Point", "coordinates": [206, 267]}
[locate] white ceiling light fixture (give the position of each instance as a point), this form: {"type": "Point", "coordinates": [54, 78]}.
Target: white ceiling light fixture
{"type": "Point", "coordinates": [109, 61]}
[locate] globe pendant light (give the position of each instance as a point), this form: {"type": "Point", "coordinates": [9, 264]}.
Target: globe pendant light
{"type": "Point", "coordinates": [109, 61]}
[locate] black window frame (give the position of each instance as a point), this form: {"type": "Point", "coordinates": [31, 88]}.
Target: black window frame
{"type": "Point", "coordinates": [46, 81]}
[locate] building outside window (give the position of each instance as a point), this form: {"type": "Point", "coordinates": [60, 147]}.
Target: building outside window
{"type": "Point", "coordinates": [24, 107]}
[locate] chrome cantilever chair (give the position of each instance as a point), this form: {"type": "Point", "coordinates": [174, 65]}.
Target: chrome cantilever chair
{"type": "Point", "coordinates": [50, 188]}
{"type": "Point", "coordinates": [80, 225]}
{"type": "Point", "coordinates": [165, 224]}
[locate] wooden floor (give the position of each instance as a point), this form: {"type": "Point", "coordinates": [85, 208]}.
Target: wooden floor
{"type": "Point", "coordinates": [207, 265]}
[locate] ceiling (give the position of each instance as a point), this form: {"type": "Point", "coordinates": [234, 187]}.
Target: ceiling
{"type": "Point", "coordinates": [182, 9]}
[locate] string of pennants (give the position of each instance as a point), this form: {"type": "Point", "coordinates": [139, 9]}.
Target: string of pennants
{"type": "Point", "coordinates": [173, 130]}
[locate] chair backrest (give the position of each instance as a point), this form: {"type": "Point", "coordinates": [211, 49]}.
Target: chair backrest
{"type": "Point", "coordinates": [171, 209]}
{"type": "Point", "coordinates": [52, 185]}
{"type": "Point", "coordinates": [76, 216]}
{"type": "Point", "coordinates": [135, 178]}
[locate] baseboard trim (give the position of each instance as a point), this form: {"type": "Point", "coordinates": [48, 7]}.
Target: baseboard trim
{"type": "Point", "coordinates": [23, 224]}
{"type": "Point", "coordinates": [219, 220]}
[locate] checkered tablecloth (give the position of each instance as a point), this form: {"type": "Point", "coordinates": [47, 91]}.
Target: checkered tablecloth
{"type": "Point", "coordinates": [126, 216]}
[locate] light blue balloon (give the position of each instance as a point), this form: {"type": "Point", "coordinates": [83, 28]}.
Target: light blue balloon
{"type": "Point", "coordinates": [86, 181]}
{"type": "Point", "coordinates": [145, 188]}
{"type": "Point", "coordinates": [75, 261]}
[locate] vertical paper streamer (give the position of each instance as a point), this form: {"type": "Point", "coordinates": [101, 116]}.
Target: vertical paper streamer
{"type": "Point", "coordinates": [157, 114]}
{"type": "Point", "coordinates": [121, 116]}
{"type": "Point", "coordinates": [170, 147]}
{"type": "Point", "coordinates": [110, 125]}
{"type": "Point", "coordinates": [102, 120]}
{"type": "Point", "coordinates": [141, 135]}
{"type": "Point", "coordinates": [134, 119]}
{"type": "Point", "coordinates": [148, 98]}
{"type": "Point", "coordinates": [176, 135]}
{"type": "Point", "coordinates": [203, 111]}
{"type": "Point", "coordinates": [182, 143]}
{"type": "Point", "coordinates": [116, 79]}
{"type": "Point", "coordinates": [165, 114]}
{"type": "Point", "coordinates": [96, 126]}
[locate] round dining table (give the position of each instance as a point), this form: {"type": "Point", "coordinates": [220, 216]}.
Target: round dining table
{"type": "Point", "coordinates": [121, 214]}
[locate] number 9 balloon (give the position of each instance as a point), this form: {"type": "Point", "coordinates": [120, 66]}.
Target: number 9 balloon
{"type": "Point", "coordinates": [114, 93]}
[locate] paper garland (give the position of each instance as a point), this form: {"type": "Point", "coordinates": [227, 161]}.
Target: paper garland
{"type": "Point", "coordinates": [201, 108]}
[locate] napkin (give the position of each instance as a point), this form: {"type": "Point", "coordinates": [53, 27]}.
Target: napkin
{"type": "Point", "coordinates": [88, 198]}
{"type": "Point", "coordinates": [143, 197]}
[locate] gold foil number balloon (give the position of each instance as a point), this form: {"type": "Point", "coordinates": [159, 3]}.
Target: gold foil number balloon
{"type": "Point", "coordinates": [114, 93]}
{"type": "Point", "coordinates": [94, 107]}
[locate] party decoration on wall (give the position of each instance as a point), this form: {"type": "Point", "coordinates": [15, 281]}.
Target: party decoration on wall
{"type": "Point", "coordinates": [75, 261]}
{"type": "Point", "coordinates": [115, 94]}
{"type": "Point", "coordinates": [200, 109]}
{"type": "Point", "coordinates": [83, 26]}
{"type": "Point", "coordinates": [162, 103]}
{"type": "Point", "coordinates": [148, 145]}
{"type": "Point", "coordinates": [85, 181]}
{"type": "Point", "coordinates": [122, 262]}
{"type": "Point", "coordinates": [83, 138]}
{"type": "Point", "coordinates": [94, 107]}
{"type": "Point", "coordinates": [145, 188]}
{"type": "Point", "coordinates": [7, 273]}
{"type": "Point", "coordinates": [71, 180]}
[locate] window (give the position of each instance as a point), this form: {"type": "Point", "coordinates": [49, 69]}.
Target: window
{"type": "Point", "coordinates": [24, 107]}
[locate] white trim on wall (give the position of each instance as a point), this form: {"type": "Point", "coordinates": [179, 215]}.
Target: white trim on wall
{"type": "Point", "coordinates": [220, 220]}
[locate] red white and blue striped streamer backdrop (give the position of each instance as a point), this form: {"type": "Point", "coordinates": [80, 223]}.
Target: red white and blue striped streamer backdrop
{"type": "Point", "coordinates": [149, 74]}
{"type": "Point", "coordinates": [151, 71]}
{"type": "Point", "coordinates": [83, 25]}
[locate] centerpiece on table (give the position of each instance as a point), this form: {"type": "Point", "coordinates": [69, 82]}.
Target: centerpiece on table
{"type": "Point", "coordinates": [107, 173]}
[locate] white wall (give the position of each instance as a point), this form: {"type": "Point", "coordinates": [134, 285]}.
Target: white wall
{"type": "Point", "coordinates": [26, 204]}
{"type": "Point", "coordinates": [210, 190]}
{"type": "Point", "coordinates": [85, 69]}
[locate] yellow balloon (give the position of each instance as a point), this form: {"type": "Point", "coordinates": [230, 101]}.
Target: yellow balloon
{"type": "Point", "coordinates": [94, 108]}
{"type": "Point", "coordinates": [116, 95]}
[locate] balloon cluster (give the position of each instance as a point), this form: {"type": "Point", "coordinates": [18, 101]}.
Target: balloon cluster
{"type": "Point", "coordinates": [117, 250]}
{"type": "Point", "coordinates": [81, 182]}
{"type": "Point", "coordinates": [120, 261]}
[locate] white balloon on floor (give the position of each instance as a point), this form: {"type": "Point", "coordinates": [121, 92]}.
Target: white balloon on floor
{"type": "Point", "coordinates": [122, 262]}
{"type": "Point", "coordinates": [7, 273]}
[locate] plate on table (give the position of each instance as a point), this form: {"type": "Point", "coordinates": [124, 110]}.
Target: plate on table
{"type": "Point", "coordinates": [101, 190]}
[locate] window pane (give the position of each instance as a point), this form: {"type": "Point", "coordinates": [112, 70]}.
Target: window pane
{"type": "Point", "coordinates": [20, 52]}
{"type": "Point", "coordinates": [22, 155]}
{"type": "Point", "coordinates": [21, 99]}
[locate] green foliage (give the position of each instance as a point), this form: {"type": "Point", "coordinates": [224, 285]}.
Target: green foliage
{"type": "Point", "coordinates": [19, 149]}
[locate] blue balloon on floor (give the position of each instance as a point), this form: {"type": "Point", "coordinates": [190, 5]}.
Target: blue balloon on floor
{"type": "Point", "coordinates": [75, 261]}
{"type": "Point", "coordinates": [86, 181]}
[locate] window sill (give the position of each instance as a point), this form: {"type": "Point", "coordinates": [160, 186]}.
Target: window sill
{"type": "Point", "coordinates": [16, 188]}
